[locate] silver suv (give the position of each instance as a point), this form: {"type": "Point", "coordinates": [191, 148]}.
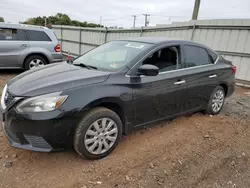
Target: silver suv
{"type": "Point", "coordinates": [27, 46]}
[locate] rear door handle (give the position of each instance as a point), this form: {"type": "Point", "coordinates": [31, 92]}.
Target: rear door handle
{"type": "Point", "coordinates": [24, 45]}
{"type": "Point", "coordinates": [180, 82]}
{"type": "Point", "coordinates": [213, 76]}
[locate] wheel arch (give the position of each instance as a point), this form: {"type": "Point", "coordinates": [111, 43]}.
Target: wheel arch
{"type": "Point", "coordinates": [112, 103]}
{"type": "Point", "coordinates": [36, 53]}
{"type": "Point", "coordinates": [225, 87]}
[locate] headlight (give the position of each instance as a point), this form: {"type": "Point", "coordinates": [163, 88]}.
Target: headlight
{"type": "Point", "coordinates": [42, 103]}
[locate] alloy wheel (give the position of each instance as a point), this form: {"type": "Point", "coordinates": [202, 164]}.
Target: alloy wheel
{"type": "Point", "coordinates": [218, 100]}
{"type": "Point", "coordinates": [36, 63]}
{"type": "Point", "coordinates": [101, 136]}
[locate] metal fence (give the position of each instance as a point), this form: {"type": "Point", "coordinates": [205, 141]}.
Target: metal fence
{"type": "Point", "coordinates": [231, 38]}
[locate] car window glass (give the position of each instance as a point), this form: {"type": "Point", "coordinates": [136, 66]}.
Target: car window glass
{"type": "Point", "coordinates": [112, 56]}
{"type": "Point", "coordinates": [196, 56]}
{"type": "Point", "coordinates": [165, 59]}
{"type": "Point", "coordinates": [11, 34]}
{"type": "Point", "coordinates": [212, 55]}
{"type": "Point", "coordinates": [37, 36]}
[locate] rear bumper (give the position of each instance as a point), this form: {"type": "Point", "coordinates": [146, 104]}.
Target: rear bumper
{"type": "Point", "coordinates": [56, 57]}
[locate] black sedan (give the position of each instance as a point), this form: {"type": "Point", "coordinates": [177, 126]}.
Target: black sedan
{"type": "Point", "coordinates": [112, 90]}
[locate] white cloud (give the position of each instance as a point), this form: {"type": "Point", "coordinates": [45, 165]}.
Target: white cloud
{"type": "Point", "coordinates": [115, 12]}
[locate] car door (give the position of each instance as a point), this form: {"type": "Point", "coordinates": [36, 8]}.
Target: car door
{"type": "Point", "coordinates": [13, 46]}
{"type": "Point", "coordinates": [200, 75]}
{"type": "Point", "coordinates": [158, 97]}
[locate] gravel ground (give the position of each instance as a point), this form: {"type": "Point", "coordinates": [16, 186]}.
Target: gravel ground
{"type": "Point", "coordinates": [193, 151]}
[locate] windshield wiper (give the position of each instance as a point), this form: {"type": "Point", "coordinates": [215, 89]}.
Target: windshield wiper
{"type": "Point", "coordinates": [85, 66]}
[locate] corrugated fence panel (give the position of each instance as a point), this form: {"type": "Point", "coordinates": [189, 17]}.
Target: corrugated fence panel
{"type": "Point", "coordinates": [247, 43]}
{"type": "Point", "coordinates": [233, 38]}
{"type": "Point", "coordinates": [119, 35]}
{"type": "Point", "coordinates": [70, 46]}
{"type": "Point", "coordinates": [73, 35]}
{"type": "Point", "coordinates": [242, 64]}
{"type": "Point", "coordinates": [224, 40]}
{"type": "Point", "coordinates": [229, 37]}
{"type": "Point", "coordinates": [58, 33]}
{"type": "Point", "coordinates": [86, 48]}
{"type": "Point", "coordinates": [216, 39]}
{"type": "Point", "coordinates": [93, 37]}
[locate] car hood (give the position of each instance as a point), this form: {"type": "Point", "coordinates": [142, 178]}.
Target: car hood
{"type": "Point", "coordinates": [53, 78]}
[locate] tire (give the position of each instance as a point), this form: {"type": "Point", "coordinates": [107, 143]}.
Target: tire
{"type": "Point", "coordinates": [218, 92]}
{"type": "Point", "coordinates": [88, 140]}
{"type": "Point", "coordinates": [34, 61]}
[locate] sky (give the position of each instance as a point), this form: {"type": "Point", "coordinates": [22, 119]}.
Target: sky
{"type": "Point", "coordinates": [119, 12]}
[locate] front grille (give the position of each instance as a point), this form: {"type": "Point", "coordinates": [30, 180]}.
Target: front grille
{"type": "Point", "coordinates": [8, 98]}
{"type": "Point", "coordinates": [37, 141]}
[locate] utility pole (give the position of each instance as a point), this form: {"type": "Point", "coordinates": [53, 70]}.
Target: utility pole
{"type": "Point", "coordinates": [100, 20]}
{"type": "Point", "coordinates": [134, 19]}
{"type": "Point", "coordinates": [146, 19]}
{"type": "Point", "coordinates": [196, 9]}
{"type": "Point", "coordinates": [45, 22]}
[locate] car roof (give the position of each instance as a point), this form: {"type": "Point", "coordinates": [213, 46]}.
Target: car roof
{"type": "Point", "coordinates": [152, 40]}
{"type": "Point", "coordinates": [162, 40]}
{"type": "Point", "coordinates": [23, 26]}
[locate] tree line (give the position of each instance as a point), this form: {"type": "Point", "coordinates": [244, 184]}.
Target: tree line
{"type": "Point", "coordinates": [58, 19]}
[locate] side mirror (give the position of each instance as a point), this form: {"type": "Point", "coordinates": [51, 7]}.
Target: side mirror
{"type": "Point", "coordinates": [148, 70]}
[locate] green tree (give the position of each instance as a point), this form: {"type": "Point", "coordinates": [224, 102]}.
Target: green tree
{"type": "Point", "coordinates": [1, 19]}
{"type": "Point", "coordinates": [59, 19]}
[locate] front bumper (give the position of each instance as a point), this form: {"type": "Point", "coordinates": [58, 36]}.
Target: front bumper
{"type": "Point", "coordinates": [41, 132]}
{"type": "Point", "coordinates": [27, 142]}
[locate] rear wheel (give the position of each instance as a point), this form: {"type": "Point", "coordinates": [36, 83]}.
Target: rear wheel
{"type": "Point", "coordinates": [34, 61]}
{"type": "Point", "coordinates": [216, 101]}
{"type": "Point", "coordinates": [98, 133]}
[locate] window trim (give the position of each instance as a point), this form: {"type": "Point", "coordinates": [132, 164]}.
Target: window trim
{"type": "Point", "coordinates": [154, 50]}
{"type": "Point", "coordinates": [27, 30]}
{"type": "Point", "coordinates": [17, 29]}
{"type": "Point", "coordinates": [207, 49]}
{"type": "Point", "coordinates": [197, 46]}
{"type": "Point", "coordinates": [182, 57]}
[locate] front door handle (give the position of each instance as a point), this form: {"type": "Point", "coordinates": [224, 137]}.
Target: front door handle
{"type": "Point", "coordinates": [213, 76]}
{"type": "Point", "coordinates": [180, 82]}
{"type": "Point", "coordinates": [24, 45]}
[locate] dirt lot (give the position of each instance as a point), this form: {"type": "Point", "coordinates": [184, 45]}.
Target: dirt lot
{"type": "Point", "coordinates": [194, 151]}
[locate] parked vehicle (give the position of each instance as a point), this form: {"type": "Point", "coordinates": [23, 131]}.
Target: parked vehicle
{"type": "Point", "coordinates": [112, 90]}
{"type": "Point", "coordinates": [26, 46]}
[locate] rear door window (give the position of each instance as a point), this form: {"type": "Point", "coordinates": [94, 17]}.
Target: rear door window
{"type": "Point", "coordinates": [212, 55]}
{"type": "Point", "coordinates": [9, 34]}
{"type": "Point", "coordinates": [196, 56]}
{"type": "Point", "coordinates": [37, 36]}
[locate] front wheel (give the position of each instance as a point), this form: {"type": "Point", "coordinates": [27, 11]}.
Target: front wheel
{"type": "Point", "coordinates": [216, 101]}
{"type": "Point", "coordinates": [98, 133]}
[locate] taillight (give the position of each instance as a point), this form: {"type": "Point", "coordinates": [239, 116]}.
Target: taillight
{"type": "Point", "coordinates": [233, 69]}
{"type": "Point", "coordinates": [57, 48]}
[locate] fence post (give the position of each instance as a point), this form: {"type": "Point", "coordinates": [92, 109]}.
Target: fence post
{"type": "Point", "coordinates": [80, 41]}
{"type": "Point", "coordinates": [193, 31]}
{"type": "Point", "coordinates": [141, 31]}
{"type": "Point", "coordinates": [106, 34]}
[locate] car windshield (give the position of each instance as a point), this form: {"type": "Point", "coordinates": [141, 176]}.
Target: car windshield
{"type": "Point", "coordinates": [112, 56]}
